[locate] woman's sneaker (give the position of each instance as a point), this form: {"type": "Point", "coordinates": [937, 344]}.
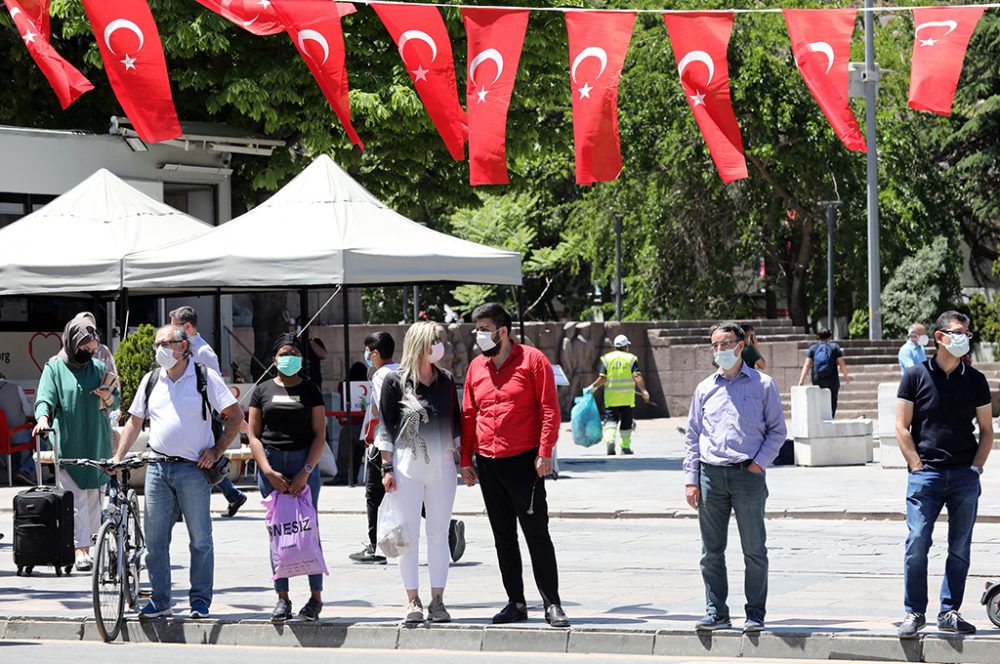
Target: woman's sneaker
{"type": "Point", "coordinates": [311, 610]}
{"type": "Point", "coordinates": [414, 612]}
{"type": "Point", "coordinates": [436, 612]}
{"type": "Point", "coordinates": [282, 611]}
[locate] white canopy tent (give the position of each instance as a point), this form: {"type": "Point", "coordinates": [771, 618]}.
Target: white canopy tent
{"type": "Point", "coordinates": [321, 229]}
{"type": "Point", "coordinates": [76, 243]}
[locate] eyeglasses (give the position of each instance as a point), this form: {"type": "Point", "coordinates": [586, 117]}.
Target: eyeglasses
{"type": "Point", "coordinates": [960, 333]}
{"type": "Point", "coordinates": [164, 344]}
{"type": "Point", "coordinates": [724, 345]}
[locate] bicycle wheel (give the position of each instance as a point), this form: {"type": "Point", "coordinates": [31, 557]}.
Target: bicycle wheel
{"type": "Point", "coordinates": [133, 545]}
{"type": "Point", "coordinates": [109, 588]}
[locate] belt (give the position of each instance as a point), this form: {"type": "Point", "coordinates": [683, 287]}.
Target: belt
{"type": "Point", "coordinates": [736, 464]}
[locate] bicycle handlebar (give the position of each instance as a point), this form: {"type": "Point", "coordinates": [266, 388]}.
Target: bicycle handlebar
{"type": "Point", "coordinates": [108, 465]}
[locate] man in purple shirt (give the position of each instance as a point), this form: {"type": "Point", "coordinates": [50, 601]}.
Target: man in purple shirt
{"type": "Point", "coordinates": [735, 428]}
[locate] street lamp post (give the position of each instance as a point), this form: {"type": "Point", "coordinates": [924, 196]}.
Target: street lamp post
{"type": "Point", "coordinates": [618, 268]}
{"type": "Point", "coordinates": [831, 220]}
{"type": "Point", "coordinates": [871, 77]}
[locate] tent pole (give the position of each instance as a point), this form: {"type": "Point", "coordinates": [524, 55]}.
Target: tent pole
{"type": "Point", "coordinates": [304, 317]}
{"type": "Point", "coordinates": [416, 303]}
{"type": "Point", "coordinates": [123, 314]}
{"type": "Point", "coordinates": [520, 311]}
{"type": "Point", "coordinates": [347, 391]}
{"type": "Point", "coordinates": [217, 327]}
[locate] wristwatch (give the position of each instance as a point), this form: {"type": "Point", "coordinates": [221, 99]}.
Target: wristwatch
{"type": "Point", "coordinates": [386, 469]}
{"type": "Point", "coordinates": [978, 470]}
{"type": "Point", "coordinates": [308, 469]}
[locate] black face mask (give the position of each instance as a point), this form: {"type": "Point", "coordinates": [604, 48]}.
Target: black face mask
{"type": "Point", "coordinates": [82, 356]}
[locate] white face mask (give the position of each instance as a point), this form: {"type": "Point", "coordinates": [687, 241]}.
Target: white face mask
{"type": "Point", "coordinates": [726, 359]}
{"type": "Point", "coordinates": [923, 340]}
{"type": "Point", "coordinates": [165, 357]}
{"type": "Point", "coordinates": [437, 352]}
{"type": "Point", "coordinates": [959, 345]}
{"type": "Point", "coordinates": [485, 341]}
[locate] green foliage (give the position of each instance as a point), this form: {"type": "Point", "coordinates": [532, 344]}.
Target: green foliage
{"type": "Point", "coordinates": [923, 286]}
{"type": "Point", "coordinates": [858, 328]}
{"type": "Point", "coordinates": [134, 358]}
{"type": "Point", "coordinates": [985, 317]}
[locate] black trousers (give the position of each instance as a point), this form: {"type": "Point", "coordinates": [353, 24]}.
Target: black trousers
{"type": "Point", "coordinates": [831, 383]}
{"type": "Point", "coordinates": [507, 492]}
{"type": "Point", "coordinates": [374, 489]}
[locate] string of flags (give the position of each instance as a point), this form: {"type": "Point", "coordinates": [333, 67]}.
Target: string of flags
{"type": "Point", "coordinates": [136, 67]}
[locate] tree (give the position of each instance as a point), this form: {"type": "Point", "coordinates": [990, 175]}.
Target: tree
{"type": "Point", "coordinates": [923, 286]}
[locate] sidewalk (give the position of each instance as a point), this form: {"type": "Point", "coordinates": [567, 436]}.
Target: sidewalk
{"type": "Point", "coordinates": [628, 567]}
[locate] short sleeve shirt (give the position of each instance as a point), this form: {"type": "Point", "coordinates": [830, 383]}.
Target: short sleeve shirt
{"type": "Point", "coordinates": [751, 356]}
{"type": "Point", "coordinates": [287, 413]}
{"type": "Point", "coordinates": [944, 408]}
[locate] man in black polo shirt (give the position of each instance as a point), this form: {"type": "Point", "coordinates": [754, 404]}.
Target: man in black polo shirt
{"type": "Point", "coordinates": [937, 402]}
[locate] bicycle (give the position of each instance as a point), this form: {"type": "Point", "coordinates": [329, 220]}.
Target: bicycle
{"type": "Point", "coordinates": [120, 545]}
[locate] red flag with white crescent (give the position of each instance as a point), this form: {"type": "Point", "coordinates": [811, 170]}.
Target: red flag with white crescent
{"type": "Point", "coordinates": [422, 39]}
{"type": "Point", "coordinates": [941, 36]}
{"type": "Point", "coordinates": [495, 38]}
{"type": "Point", "coordinates": [258, 16]}
{"type": "Point", "coordinates": [701, 43]}
{"type": "Point", "coordinates": [314, 26]}
{"type": "Point", "coordinates": [821, 45]}
{"type": "Point", "coordinates": [598, 42]}
{"type": "Point", "coordinates": [136, 67]}
{"type": "Point", "coordinates": [31, 19]}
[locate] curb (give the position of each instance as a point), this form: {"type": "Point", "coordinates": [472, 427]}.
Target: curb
{"type": "Point", "coordinates": [776, 644]}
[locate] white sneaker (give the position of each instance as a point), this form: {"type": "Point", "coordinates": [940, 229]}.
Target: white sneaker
{"type": "Point", "coordinates": [414, 612]}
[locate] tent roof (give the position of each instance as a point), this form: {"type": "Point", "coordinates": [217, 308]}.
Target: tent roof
{"type": "Point", "coordinates": [322, 228]}
{"type": "Point", "coordinates": [76, 243]}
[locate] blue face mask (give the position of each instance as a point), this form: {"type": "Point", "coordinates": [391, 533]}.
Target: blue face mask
{"type": "Point", "coordinates": [369, 361]}
{"type": "Point", "coordinates": [289, 365]}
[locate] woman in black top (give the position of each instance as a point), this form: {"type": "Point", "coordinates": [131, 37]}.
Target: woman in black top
{"type": "Point", "coordinates": [287, 432]}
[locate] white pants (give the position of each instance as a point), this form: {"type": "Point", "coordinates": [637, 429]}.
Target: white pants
{"type": "Point", "coordinates": [86, 511]}
{"type": "Point", "coordinates": [437, 497]}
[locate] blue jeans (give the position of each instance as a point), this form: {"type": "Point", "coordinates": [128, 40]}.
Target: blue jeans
{"type": "Point", "coordinates": [927, 491]}
{"type": "Point", "coordinates": [229, 490]}
{"type": "Point", "coordinates": [289, 464]}
{"type": "Point", "coordinates": [727, 489]}
{"type": "Point", "coordinates": [171, 485]}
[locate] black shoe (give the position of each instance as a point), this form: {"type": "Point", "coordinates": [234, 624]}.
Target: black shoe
{"type": "Point", "coordinates": [555, 616]}
{"type": "Point", "coordinates": [912, 623]}
{"type": "Point", "coordinates": [367, 555]}
{"type": "Point", "coordinates": [282, 611]}
{"type": "Point", "coordinates": [311, 610]}
{"type": "Point", "coordinates": [711, 622]}
{"type": "Point", "coordinates": [626, 451]}
{"type": "Point", "coordinates": [456, 540]}
{"type": "Point", "coordinates": [235, 506]}
{"type": "Point", "coordinates": [511, 613]}
{"type": "Point", "coordinates": [611, 449]}
{"type": "Point", "coordinates": [952, 622]}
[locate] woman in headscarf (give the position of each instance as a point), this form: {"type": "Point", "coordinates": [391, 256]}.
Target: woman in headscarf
{"type": "Point", "coordinates": [72, 399]}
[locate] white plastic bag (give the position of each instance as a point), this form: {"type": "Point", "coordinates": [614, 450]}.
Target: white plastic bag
{"type": "Point", "coordinates": [391, 534]}
{"type": "Point", "coordinates": [328, 462]}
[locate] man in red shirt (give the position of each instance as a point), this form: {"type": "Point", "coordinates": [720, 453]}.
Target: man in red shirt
{"type": "Point", "coordinates": [510, 421]}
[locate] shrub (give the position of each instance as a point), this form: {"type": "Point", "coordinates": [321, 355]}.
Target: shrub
{"type": "Point", "coordinates": [134, 358]}
{"type": "Point", "coordinates": [924, 285]}
{"type": "Point", "coordinates": [858, 329]}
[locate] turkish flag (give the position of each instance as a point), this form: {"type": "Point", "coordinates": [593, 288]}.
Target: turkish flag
{"type": "Point", "coordinates": [314, 26]}
{"type": "Point", "coordinates": [701, 43]}
{"type": "Point", "coordinates": [495, 38]}
{"type": "Point", "coordinates": [31, 19]}
{"type": "Point", "coordinates": [941, 35]}
{"type": "Point", "coordinates": [258, 16]}
{"type": "Point", "coordinates": [821, 44]}
{"type": "Point", "coordinates": [598, 42]}
{"type": "Point", "coordinates": [423, 43]}
{"type": "Point", "coordinates": [136, 67]}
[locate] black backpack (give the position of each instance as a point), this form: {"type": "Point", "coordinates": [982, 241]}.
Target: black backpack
{"type": "Point", "coordinates": [201, 383]}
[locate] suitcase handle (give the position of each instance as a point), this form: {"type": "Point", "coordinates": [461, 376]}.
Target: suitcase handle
{"type": "Point", "coordinates": [43, 433]}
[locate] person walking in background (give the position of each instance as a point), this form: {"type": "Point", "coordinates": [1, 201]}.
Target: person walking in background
{"type": "Point", "coordinates": [420, 425]}
{"type": "Point", "coordinates": [510, 422]}
{"type": "Point", "coordinates": [751, 351]}
{"type": "Point", "coordinates": [178, 428]}
{"type": "Point", "coordinates": [938, 402]}
{"type": "Point", "coordinates": [17, 411]}
{"type": "Point", "coordinates": [735, 429]}
{"type": "Point", "coordinates": [202, 353]}
{"type": "Point", "coordinates": [620, 377]}
{"type": "Point", "coordinates": [912, 351]}
{"type": "Point", "coordinates": [73, 396]}
{"type": "Point", "coordinates": [287, 433]}
{"type": "Point", "coordinates": [823, 360]}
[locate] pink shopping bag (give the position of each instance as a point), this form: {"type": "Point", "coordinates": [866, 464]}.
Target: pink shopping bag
{"type": "Point", "coordinates": [294, 534]}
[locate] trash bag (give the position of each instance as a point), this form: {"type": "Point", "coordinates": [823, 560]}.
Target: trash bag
{"type": "Point", "coordinates": [391, 535]}
{"type": "Point", "coordinates": [585, 420]}
{"type": "Point", "coordinates": [294, 534]}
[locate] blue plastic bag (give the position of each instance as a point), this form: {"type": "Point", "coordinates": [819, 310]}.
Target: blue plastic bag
{"type": "Point", "coordinates": [585, 420]}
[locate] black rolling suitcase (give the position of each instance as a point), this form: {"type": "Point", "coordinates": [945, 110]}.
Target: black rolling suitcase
{"type": "Point", "coordinates": [43, 528]}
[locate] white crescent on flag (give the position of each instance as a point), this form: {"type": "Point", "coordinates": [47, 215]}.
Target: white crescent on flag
{"type": "Point", "coordinates": [312, 35]}
{"type": "Point", "coordinates": [825, 49]}
{"type": "Point", "coordinates": [122, 24]}
{"type": "Point", "coordinates": [15, 11]}
{"type": "Point", "coordinates": [951, 25]}
{"type": "Point", "coordinates": [590, 52]}
{"type": "Point", "coordinates": [420, 35]}
{"type": "Point", "coordinates": [483, 56]}
{"type": "Point", "coordinates": [697, 56]}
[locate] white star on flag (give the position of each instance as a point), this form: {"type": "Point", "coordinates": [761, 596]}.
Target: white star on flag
{"type": "Point", "coordinates": [419, 74]}
{"type": "Point", "coordinates": [585, 90]}
{"type": "Point", "coordinates": [482, 95]}
{"type": "Point", "coordinates": [29, 36]}
{"type": "Point", "coordinates": [928, 42]}
{"type": "Point", "coordinates": [698, 99]}
{"type": "Point", "coordinates": [129, 62]}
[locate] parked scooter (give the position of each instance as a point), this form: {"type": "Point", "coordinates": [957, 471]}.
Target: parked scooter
{"type": "Point", "coordinates": [991, 598]}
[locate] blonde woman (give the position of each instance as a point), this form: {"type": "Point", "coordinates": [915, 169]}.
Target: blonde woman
{"type": "Point", "coordinates": [421, 422]}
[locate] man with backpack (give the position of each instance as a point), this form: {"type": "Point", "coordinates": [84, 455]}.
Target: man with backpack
{"type": "Point", "coordinates": [179, 407]}
{"type": "Point", "coordinates": [823, 361]}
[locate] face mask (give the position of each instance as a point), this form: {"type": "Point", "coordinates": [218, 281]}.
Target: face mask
{"type": "Point", "coordinates": [923, 340]}
{"type": "Point", "coordinates": [437, 352]}
{"type": "Point", "coordinates": [487, 343]}
{"type": "Point", "coordinates": [369, 361]}
{"type": "Point", "coordinates": [726, 359]}
{"type": "Point", "coordinates": [289, 365]}
{"type": "Point", "coordinates": [83, 356]}
{"type": "Point", "coordinates": [165, 357]}
{"type": "Point", "coordinates": [959, 345]}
